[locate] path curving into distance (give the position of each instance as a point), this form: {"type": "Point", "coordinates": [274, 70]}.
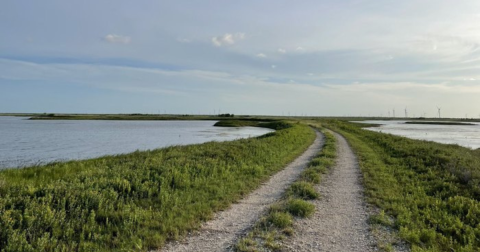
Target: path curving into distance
{"type": "Point", "coordinates": [220, 233]}
{"type": "Point", "coordinates": [340, 219]}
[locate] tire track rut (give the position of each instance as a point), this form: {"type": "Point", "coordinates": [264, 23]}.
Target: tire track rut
{"type": "Point", "coordinates": [220, 233]}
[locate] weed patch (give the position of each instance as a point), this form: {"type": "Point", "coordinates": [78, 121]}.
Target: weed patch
{"type": "Point", "coordinates": [300, 208]}
{"type": "Point", "coordinates": [303, 190]}
{"type": "Point", "coordinates": [280, 219]}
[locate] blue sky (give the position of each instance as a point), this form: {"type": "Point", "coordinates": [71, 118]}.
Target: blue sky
{"type": "Point", "coordinates": [326, 58]}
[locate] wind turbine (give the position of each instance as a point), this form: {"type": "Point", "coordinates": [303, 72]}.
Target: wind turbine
{"type": "Point", "coordinates": [393, 112]}
{"type": "Point", "coordinates": [406, 114]}
{"type": "Point", "coordinates": [439, 112]}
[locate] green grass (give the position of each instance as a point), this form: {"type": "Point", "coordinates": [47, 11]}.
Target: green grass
{"type": "Point", "coordinates": [300, 208]}
{"type": "Point", "coordinates": [430, 190]}
{"type": "Point", "coordinates": [280, 219]}
{"type": "Point", "coordinates": [303, 190]}
{"type": "Point", "coordinates": [277, 224]}
{"type": "Point", "coordinates": [137, 201]}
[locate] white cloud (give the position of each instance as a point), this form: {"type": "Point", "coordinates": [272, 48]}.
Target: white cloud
{"type": "Point", "coordinates": [281, 50]}
{"type": "Point", "coordinates": [274, 66]}
{"type": "Point", "coordinates": [454, 47]}
{"type": "Point", "coordinates": [261, 55]}
{"type": "Point", "coordinates": [227, 39]}
{"type": "Point", "coordinates": [117, 39]}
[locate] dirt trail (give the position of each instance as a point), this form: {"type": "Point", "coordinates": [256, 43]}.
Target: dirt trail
{"type": "Point", "coordinates": [220, 233]}
{"type": "Point", "coordinates": [340, 220]}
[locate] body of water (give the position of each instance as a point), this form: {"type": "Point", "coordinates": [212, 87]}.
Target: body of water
{"type": "Point", "coordinates": [463, 135]}
{"type": "Point", "coordinates": [29, 142]}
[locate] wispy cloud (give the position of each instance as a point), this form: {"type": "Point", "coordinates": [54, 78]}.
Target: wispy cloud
{"type": "Point", "coordinates": [183, 40]}
{"type": "Point", "coordinates": [261, 55]}
{"type": "Point", "coordinates": [228, 39]}
{"type": "Point", "coordinates": [117, 39]}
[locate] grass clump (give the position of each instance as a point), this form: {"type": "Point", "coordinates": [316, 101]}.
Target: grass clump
{"type": "Point", "coordinates": [303, 190]}
{"type": "Point", "coordinates": [311, 176]}
{"type": "Point", "coordinates": [246, 245]}
{"type": "Point", "coordinates": [381, 218]}
{"type": "Point", "coordinates": [300, 208]}
{"type": "Point", "coordinates": [280, 219]}
{"type": "Point", "coordinates": [137, 201]}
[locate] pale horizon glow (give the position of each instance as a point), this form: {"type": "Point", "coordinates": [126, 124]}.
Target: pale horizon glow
{"type": "Point", "coordinates": [316, 58]}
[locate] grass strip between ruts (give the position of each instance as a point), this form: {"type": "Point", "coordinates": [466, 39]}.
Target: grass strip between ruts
{"type": "Point", "coordinates": [278, 221]}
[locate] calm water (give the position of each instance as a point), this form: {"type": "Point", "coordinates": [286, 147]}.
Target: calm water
{"type": "Point", "coordinates": [463, 135]}
{"type": "Point", "coordinates": [27, 142]}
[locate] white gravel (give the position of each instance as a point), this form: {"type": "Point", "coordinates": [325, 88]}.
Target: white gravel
{"type": "Point", "coordinates": [340, 219]}
{"type": "Point", "coordinates": [223, 230]}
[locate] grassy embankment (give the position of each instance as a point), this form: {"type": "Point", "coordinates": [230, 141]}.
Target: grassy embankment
{"type": "Point", "coordinates": [278, 221]}
{"type": "Point", "coordinates": [426, 191]}
{"type": "Point", "coordinates": [136, 201]}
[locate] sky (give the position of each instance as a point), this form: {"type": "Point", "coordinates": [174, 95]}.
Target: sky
{"type": "Point", "coordinates": [311, 57]}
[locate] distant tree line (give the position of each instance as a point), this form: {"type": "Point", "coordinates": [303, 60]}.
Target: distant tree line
{"type": "Point", "coordinates": [226, 115]}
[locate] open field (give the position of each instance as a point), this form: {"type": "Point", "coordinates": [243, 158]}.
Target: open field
{"type": "Point", "coordinates": [136, 201]}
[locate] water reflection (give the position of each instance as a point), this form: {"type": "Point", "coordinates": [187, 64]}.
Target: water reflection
{"type": "Point", "coordinates": [463, 135]}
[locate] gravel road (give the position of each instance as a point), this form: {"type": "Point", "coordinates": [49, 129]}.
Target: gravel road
{"type": "Point", "coordinates": [340, 220]}
{"type": "Point", "coordinates": [223, 230]}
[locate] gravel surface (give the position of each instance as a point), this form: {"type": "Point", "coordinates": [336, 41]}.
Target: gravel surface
{"type": "Point", "coordinates": [220, 233]}
{"type": "Point", "coordinates": [340, 219]}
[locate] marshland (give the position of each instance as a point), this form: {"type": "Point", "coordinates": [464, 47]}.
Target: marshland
{"type": "Point", "coordinates": [424, 194]}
